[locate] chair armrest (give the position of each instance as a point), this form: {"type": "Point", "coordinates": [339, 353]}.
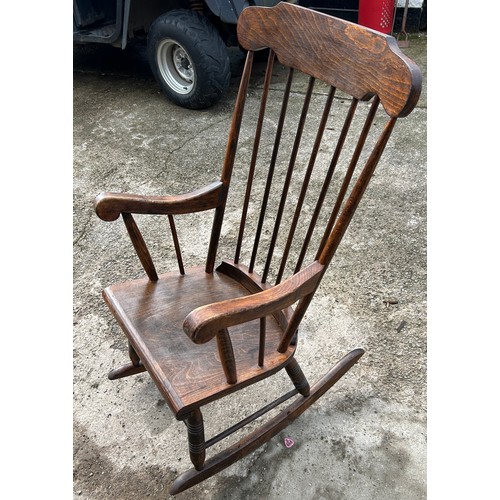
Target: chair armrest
{"type": "Point", "coordinates": [109, 206]}
{"type": "Point", "coordinates": [205, 322]}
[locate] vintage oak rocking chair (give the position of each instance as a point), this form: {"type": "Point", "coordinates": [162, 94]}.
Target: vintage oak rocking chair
{"type": "Point", "coordinates": [203, 334]}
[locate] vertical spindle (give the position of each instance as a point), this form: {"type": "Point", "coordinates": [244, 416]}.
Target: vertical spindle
{"type": "Point", "coordinates": [176, 243]}
{"type": "Point", "coordinates": [253, 161]}
{"type": "Point", "coordinates": [274, 156]}
{"type": "Point", "coordinates": [286, 185]}
{"type": "Point", "coordinates": [305, 184]}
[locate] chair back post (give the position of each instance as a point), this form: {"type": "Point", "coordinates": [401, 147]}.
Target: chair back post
{"type": "Point", "coordinates": [355, 196]}
{"type": "Point", "coordinates": [227, 169]}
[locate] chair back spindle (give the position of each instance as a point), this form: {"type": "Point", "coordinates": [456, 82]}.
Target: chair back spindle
{"type": "Point", "coordinates": [258, 133]}
{"type": "Point", "coordinates": [272, 164]}
{"type": "Point", "coordinates": [305, 184]}
{"type": "Point", "coordinates": [140, 246]}
{"type": "Point", "coordinates": [288, 178]}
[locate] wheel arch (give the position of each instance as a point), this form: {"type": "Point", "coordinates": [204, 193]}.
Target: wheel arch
{"type": "Point", "coordinates": [227, 11]}
{"type": "Point", "coordinates": [139, 15]}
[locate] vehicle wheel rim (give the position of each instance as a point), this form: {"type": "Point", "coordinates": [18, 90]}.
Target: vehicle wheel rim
{"type": "Point", "coordinates": [175, 66]}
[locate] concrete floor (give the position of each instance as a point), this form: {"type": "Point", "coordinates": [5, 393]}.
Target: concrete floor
{"type": "Point", "coordinates": [366, 438]}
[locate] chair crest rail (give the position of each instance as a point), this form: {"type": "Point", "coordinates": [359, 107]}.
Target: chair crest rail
{"type": "Point", "coordinates": [362, 62]}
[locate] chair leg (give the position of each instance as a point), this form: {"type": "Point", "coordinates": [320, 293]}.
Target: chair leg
{"type": "Point", "coordinates": [297, 377]}
{"type": "Point", "coordinates": [196, 438]}
{"type": "Point", "coordinates": [263, 434]}
{"type": "Point", "coordinates": [130, 368]}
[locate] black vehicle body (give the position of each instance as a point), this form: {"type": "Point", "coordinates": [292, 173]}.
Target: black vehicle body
{"type": "Point", "coordinates": [187, 40]}
{"type": "Point", "coordinates": [115, 22]}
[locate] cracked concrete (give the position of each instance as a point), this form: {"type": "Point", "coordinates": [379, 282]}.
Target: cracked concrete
{"type": "Point", "coordinates": [366, 438]}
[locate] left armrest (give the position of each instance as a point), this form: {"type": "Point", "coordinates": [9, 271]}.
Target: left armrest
{"type": "Point", "coordinates": [109, 206]}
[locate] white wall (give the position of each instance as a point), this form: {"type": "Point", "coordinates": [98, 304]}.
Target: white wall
{"type": "Point", "coordinates": [411, 3]}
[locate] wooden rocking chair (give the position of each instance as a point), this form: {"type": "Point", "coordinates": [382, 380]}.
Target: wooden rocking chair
{"type": "Point", "coordinates": [203, 334]}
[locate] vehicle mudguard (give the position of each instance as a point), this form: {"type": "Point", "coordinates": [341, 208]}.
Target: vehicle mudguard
{"type": "Point", "coordinates": [228, 11]}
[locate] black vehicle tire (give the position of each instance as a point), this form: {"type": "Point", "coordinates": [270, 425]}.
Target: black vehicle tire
{"type": "Point", "coordinates": [188, 59]}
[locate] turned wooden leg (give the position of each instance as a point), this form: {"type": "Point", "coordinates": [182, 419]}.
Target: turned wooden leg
{"type": "Point", "coordinates": [130, 368]}
{"type": "Point", "coordinates": [261, 435]}
{"type": "Point", "coordinates": [196, 438]}
{"type": "Point", "coordinates": [297, 377]}
{"type": "Point", "coordinates": [136, 360]}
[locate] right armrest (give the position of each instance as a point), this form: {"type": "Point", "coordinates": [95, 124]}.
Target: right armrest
{"type": "Point", "coordinates": [203, 323]}
{"type": "Point", "coordinates": [109, 206]}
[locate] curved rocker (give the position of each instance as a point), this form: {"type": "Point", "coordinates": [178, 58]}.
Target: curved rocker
{"type": "Point", "coordinates": [250, 443]}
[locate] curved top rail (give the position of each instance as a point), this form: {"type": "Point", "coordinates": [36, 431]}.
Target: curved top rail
{"type": "Point", "coordinates": [350, 57]}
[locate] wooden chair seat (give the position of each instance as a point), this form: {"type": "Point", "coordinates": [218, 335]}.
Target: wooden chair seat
{"type": "Point", "coordinates": [151, 314]}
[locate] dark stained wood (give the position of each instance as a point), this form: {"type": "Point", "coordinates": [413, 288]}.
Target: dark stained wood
{"type": "Point", "coordinates": [226, 353]}
{"type": "Point", "coordinates": [262, 341]}
{"type": "Point", "coordinates": [305, 185]}
{"type": "Point", "coordinates": [109, 206]}
{"type": "Point", "coordinates": [277, 142]}
{"type": "Point", "coordinates": [196, 438]}
{"type": "Point", "coordinates": [355, 196]}
{"type": "Point", "coordinates": [286, 183]}
{"type": "Point", "coordinates": [293, 325]}
{"type": "Point", "coordinates": [234, 131]}
{"type": "Point", "coordinates": [262, 411]}
{"type": "Point", "coordinates": [347, 56]}
{"type": "Point", "coordinates": [140, 246]}
{"type": "Point", "coordinates": [128, 369]}
{"type": "Point", "coordinates": [204, 334]}
{"type": "Point", "coordinates": [176, 243]}
{"type": "Point", "coordinates": [189, 375]}
{"type": "Point", "coordinates": [253, 441]}
{"type": "Point", "coordinates": [227, 168]}
{"type": "Point", "coordinates": [125, 371]}
{"type": "Point", "coordinates": [253, 161]}
{"type": "Point", "coordinates": [253, 283]}
{"type": "Point", "coordinates": [136, 361]}
{"type": "Point", "coordinates": [297, 377]}
{"type": "Point", "coordinates": [203, 323]}
{"type": "Point", "coordinates": [326, 182]}
{"type": "Point", "coordinates": [350, 171]}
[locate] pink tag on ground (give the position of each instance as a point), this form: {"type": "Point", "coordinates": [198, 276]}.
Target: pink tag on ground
{"type": "Point", "coordinates": [289, 442]}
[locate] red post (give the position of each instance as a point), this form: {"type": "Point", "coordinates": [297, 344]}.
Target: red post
{"type": "Point", "coordinates": [376, 14]}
